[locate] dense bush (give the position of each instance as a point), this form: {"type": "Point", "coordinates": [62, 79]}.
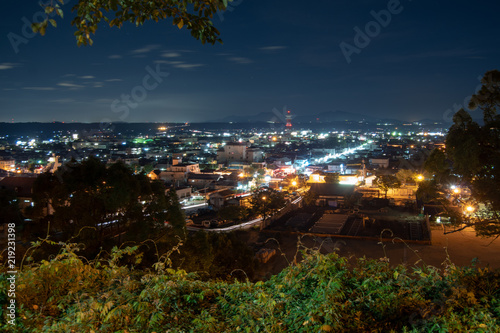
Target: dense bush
{"type": "Point", "coordinates": [321, 293]}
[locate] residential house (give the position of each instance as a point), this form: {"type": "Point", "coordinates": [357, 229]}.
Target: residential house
{"type": "Point", "coordinates": [220, 198]}
{"type": "Point", "coordinates": [239, 152]}
{"type": "Point", "coordinates": [202, 180]}
{"type": "Point", "coordinates": [380, 162]}
{"type": "Point", "coordinates": [331, 194]}
{"type": "Point", "coordinates": [179, 173]}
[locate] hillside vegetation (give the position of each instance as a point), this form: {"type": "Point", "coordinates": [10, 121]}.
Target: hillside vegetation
{"type": "Point", "coordinates": [322, 293]}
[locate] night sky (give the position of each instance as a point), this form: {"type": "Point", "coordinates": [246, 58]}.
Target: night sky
{"type": "Point", "coordinates": [277, 53]}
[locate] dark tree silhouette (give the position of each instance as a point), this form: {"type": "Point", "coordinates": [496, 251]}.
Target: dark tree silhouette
{"type": "Point", "coordinates": [175, 215]}
{"type": "Point", "coordinates": [474, 150]}
{"type": "Point", "coordinates": [94, 201]}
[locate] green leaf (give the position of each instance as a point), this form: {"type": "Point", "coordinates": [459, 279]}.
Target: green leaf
{"type": "Point", "coordinates": [113, 4]}
{"type": "Point", "coordinates": [34, 27]}
{"type": "Point", "coordinates": [53, 22]}
{"type": "Point", "coordinates": [42, 28]}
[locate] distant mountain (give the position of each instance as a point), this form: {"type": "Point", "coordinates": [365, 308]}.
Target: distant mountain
{"type": "Point", "coordinates": [278, 117]}
{"type": "Point", "coordinates": [246, 118]}
{"type": "Point", "coordinates": [336, 116]}
{"type": "Point", "coordinates": [447, 118]}
{"type": "Point", "coordinates": [431, 121]}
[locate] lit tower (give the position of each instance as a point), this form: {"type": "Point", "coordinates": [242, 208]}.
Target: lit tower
{"type": "Point", "coordinates": [288, 119]}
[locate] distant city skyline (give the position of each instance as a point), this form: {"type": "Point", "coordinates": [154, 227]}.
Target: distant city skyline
{"type": "Point", "coordinates": [407, 60]}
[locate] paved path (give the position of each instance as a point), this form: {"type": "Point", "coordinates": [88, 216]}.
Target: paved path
{"type": "Point", "coordinates": [460, 247]}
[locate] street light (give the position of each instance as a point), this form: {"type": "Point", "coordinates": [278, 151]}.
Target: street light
{"type": "Point", "coordinates": [294, 183]}
{"type": "Point", "coordinates": [469, 209]}
{"type": "Point", "coordinates": [420, 178]}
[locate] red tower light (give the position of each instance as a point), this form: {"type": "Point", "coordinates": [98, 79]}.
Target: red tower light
{"type": "Point", "coordinates": [288, 119]}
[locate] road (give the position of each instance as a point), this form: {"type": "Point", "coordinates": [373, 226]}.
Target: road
{"type": "Point", "coordinates": [244, 225]}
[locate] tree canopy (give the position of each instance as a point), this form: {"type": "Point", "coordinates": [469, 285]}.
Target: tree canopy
{"type": "Point", "coordinates": [100, 206]}
{"type": "Point", "coordinates": [266, 202]}
{"type": "Point", "coordinates": [332, 177]}
{"type": "Point", "coordinates": [95, 199]}
{"type": "Point", "coordinates": [232, 213]}
{"type": "Point", "coordinates": [310, 197]}
{"type": "Point", "coordinates": [175, 215]}
{"type": "Point", "coordinates": [9, 206]}
{"type": "Point", "coordinates": [194, 15]}
{"type": "Point", "coordinates": [437, 165]}
{"type": "Point", "coordinates": [386, 182]}
{"type": "Point", "coordinates": [474, 150]}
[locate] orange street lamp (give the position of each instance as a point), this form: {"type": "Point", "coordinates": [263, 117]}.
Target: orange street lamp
{"type": "Point", "coordinates": [420, 178]}
{"type": "Point", "coordinates": [294, 183]}
{"type": "Point", "coordinates": [469, 209]}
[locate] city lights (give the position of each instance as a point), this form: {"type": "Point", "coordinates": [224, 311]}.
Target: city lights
{"type": "Point", "coordinates": [161, 180]}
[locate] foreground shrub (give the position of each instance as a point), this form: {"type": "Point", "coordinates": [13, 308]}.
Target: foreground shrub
{"type": "Point", "coordinates": [320, 294]}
